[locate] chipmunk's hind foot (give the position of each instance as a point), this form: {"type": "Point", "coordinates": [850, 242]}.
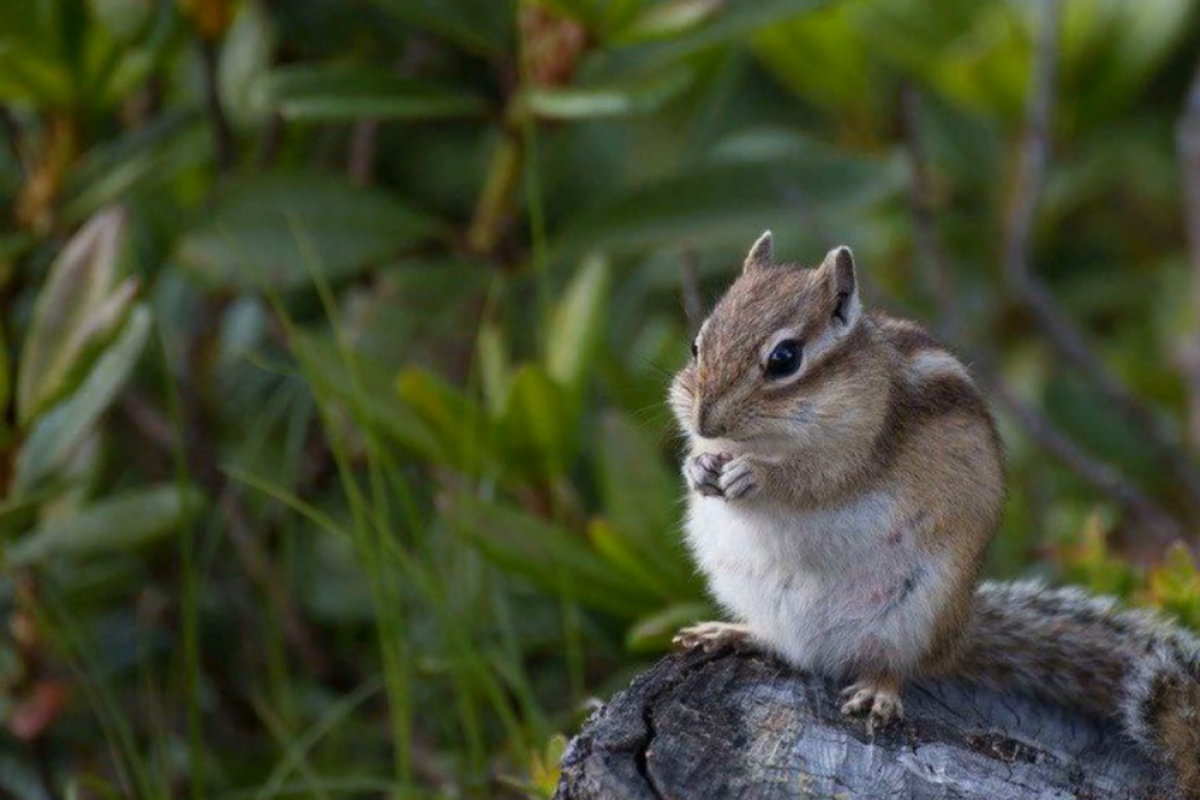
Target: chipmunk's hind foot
{"type": "Point", "coordinates": [878, 700]}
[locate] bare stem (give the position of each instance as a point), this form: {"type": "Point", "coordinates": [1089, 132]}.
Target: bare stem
{"type": "Point", "coordinates": [1062, 333]}
{"type": "Point", "coordinates": [933, 257]}
{"type": "Point", "coordinates": [361, 164]}
{"type": "Point", "coordinates": [922, 204]}
{"type": "Point", "coordinates": [224, 149]}
{"type": "Point", "coordinates": [1187, 145]}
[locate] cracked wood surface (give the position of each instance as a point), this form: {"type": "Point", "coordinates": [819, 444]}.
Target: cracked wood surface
{"type": "Point", "coordinates": [741, 725]}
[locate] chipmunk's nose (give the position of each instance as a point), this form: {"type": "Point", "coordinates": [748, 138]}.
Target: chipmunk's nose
{"type": "Point", "coordinates": [706, 423]}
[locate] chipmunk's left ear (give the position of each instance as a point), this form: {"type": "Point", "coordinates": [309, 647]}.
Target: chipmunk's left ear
{"type": "Point", "coordinates": [840, 272]}
{"type": "Point", "coordinates": [761, 255]}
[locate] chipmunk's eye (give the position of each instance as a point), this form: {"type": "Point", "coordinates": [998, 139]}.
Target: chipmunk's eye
{"type": "Point", "coordinates": [695, 348]}
{"type": "Point", "coordinates": [784, 359]}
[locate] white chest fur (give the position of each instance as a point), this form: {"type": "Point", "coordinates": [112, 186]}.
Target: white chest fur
{"type": "Point", "coordinates": [837, 590]}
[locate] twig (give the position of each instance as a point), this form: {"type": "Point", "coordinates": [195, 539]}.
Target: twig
{"type": "Point", "coordinates": [927, 242]}
{"type": "Point", "coordinates": [1098, 473]}
{"type": "Point", "coordinates": [693, 304]}
{"type": "Point", "coordinates": [258, 567]}
{"type": "Point", "coordinates": [1020, 216]}
{"type": "Point", "coordinates": [12, 134]}
{"type": "Point", "coordinates": [933, 256]}
{"type": "Point", "coordinates": [224, 151]}
{"type": "Point", "coordinates": [156, 429]}
{"type": "Point", "coordinates": [362, 152]}
{"type": "Point", "coordinates": [1187, 147]}
{"type": "Point", "coordinates": [271, 141]}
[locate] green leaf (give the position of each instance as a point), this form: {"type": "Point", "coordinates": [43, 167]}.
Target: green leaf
{"type": "Point", "coordinates": [77, 311]}
{"type": "Point", "coordinates": [641, 499]}
{"type": "Point", "coordinates": [759, 179]}
{"type": "Point", "coordinates": [653, 633]}
{"type": "Point", "coordinates": [668, 20]}
{"type": "Point", "coordinates": [494, 368]}
{"type": "Point", "coordinates": [546, 554]}
{"type": "Point", "coordinates": [537, 426]}
{"type": "Point", "coordinates": [462, 430]}
{"type": "Point", "coordinates": [483, 27]}
{"type": "Point", "coordinates": [577, 325]}
{"type": "Point", "coordinates": [731, 22]}
{"type": "Point", "coordinates": [58, 431]}
{"type": "Point", "coordinates": [616, 550]}
{"type": "Point", "coordinates": [627, 97]}
{"type": "Point", "coordinates": [279, 231]}
{"type": "Point", "coordinates": [115, 524]}
{"type": "Point", "coordinates": [141, 160]}
{"type": "Point", "coordinates": [346, 93]}
{"type": "Point", "coordinates": [362, 389]}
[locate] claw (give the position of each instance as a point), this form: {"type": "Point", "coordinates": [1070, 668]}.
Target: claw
{"type": "Point", "coordinates": [738, 479]}
{"type": "Point", "coordinates": [879, 700]}
{"type": "Point", "coordinates": [703, 473]}
{"type": "Point", "coordinates": [711, 636]}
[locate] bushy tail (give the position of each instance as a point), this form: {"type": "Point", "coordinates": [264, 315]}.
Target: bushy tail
{"type": "Point", "coordinates": [1067, 647]}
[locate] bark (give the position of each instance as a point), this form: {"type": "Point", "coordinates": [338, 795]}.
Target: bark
{"type": "Point", "coordinates": [741, 725]}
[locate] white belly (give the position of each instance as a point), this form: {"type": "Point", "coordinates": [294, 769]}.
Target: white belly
{"type": "Point", "coordinates": [835, 591]}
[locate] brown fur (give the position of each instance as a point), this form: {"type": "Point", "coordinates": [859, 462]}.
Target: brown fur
{"type": "Point", "coordinates": [880, 405]}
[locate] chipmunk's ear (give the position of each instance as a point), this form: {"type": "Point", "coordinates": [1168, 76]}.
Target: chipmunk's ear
{"type": "Point", "coordinates": [843, 282]}
{"type": "Point", "coordinates": [760, 255]}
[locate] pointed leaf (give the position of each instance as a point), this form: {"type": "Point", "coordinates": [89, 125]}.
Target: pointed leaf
{"type": "Point", "coordinates": [80, 281]}
{"type": "Point", "coordinates": [58, 431]}
{"type": "Point", "coordinates": [462, 429]}
{"type": "Point", "coordinates": [577, 327]}
{"type": "Point", "coordinates": [363, 390]}
{"type": "Point", "coordinates": [627, 97]}
{"type": "Point", "coordinates": [112, 525]}
{"type": "Point", "coordinates": [494, 368]}
{"type": "Point", "coordinates": [347, 93]}
{"type": "Point", "coordinates": [546, 554]}
{"type": "Point", "coordinates": [537, 427]}
{"type": "Point", "coordinates": [641, 498]}
{"type": "Point", "coordinates": [282, 231]}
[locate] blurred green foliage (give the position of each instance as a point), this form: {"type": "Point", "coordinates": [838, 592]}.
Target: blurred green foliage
{"type": "Point", "coordinates": [336, 335]}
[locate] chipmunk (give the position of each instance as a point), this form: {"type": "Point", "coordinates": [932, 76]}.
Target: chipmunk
{"type": "Point", "coordinates": [845, 478]}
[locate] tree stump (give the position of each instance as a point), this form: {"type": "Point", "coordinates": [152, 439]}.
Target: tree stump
{"type": "Point", "coordinates": [741, 725]}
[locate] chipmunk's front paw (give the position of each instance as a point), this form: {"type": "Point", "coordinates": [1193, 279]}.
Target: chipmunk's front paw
{"type": "Point", "coordinates": [712, 636]}
{"type": "Point", "coordinates": [739, 479]}
{"type": "Point", "coordinates": [879, 700]}
{"type": "Point", "coordinates": [703, 473]}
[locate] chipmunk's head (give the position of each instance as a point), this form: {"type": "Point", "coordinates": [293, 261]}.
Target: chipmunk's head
{"type": "Point", "coordinates": [786, 360]}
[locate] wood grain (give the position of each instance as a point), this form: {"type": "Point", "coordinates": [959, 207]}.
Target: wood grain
{"type": "Point", "coordinates": [742, 725]}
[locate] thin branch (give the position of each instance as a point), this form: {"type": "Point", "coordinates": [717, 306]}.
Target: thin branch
{"type": "Point", "coordinates": [224, 146]}
{"type": "Point", "coordinates": [1020, 217]}
{"type": "Point", "coordinates": [693, 303]}
{"type": "Point", "coordinates": [932, 255]}
{"type": "Point", "coordinates": [361, 164]}
{"type": "Point", "coordinates": [259, 568]}
{"type": "Point", "coordinates": [1187, 147]}
{"type": "Point", "coordinates": [155, 428]}
{"type": "Point", "coordinates": [927, 242]}
{"type": "Point", "coordinates": [1098, 473]}
{"type": "Point", "coordinates": [271, 142]}
{"type": "Point", "coordinates": [11, 128]}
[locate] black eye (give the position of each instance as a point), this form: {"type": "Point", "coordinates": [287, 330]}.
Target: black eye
{"type": "Point", "coordinates": [695, 348]}
{"type": "Point", "coordinates": [784, 359]}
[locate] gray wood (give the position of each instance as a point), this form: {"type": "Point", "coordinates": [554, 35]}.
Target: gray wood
{"type": "Point", "coordinates": [741, 725]}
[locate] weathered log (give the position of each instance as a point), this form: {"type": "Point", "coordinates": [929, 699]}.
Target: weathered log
{"type": "Point", "coordinates": [742, 725]}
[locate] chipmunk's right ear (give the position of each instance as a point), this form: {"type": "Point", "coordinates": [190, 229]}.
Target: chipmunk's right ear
{"type": "Point", "coordinates": [760, 255]}
{"type": "Point", "coordinates": [843, 283]}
